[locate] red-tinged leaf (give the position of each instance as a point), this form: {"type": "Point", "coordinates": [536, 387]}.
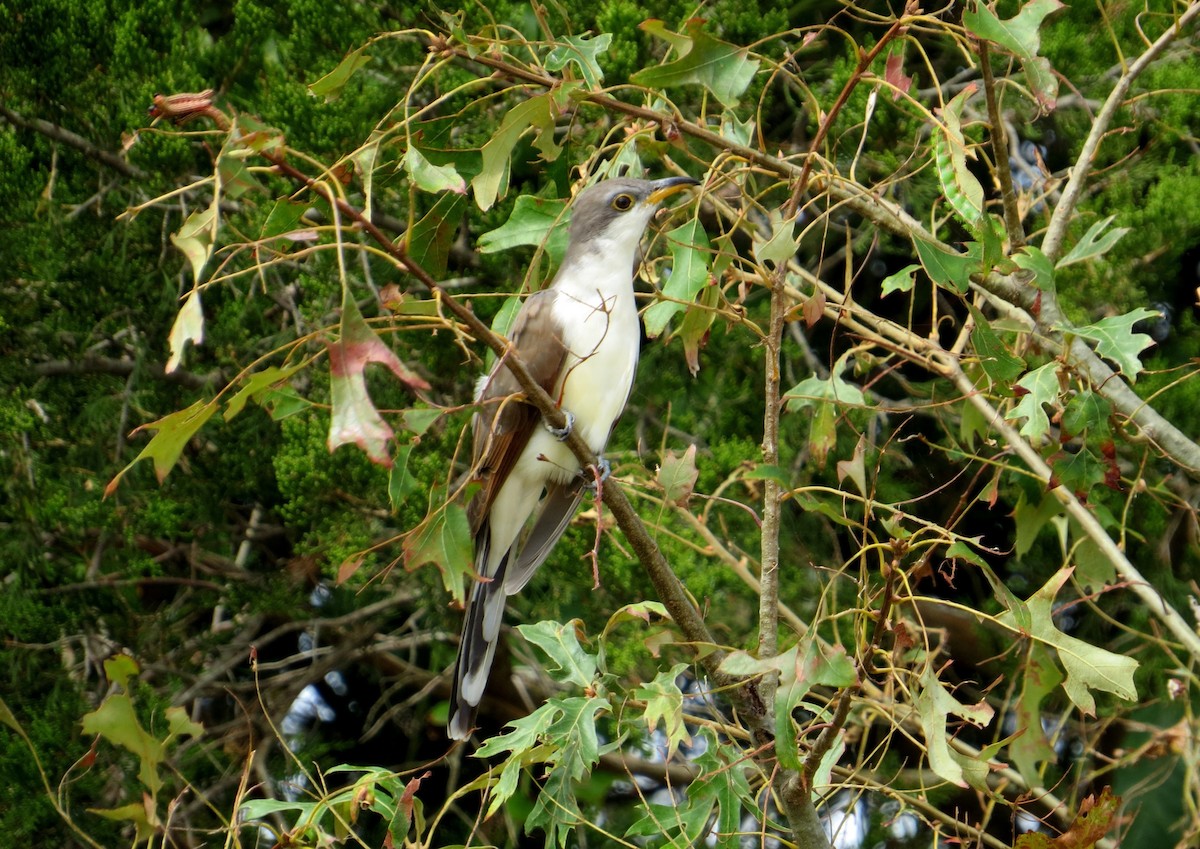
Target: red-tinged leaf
{"type": "Point", "coordinates": [349, 566]}
{"type": "Point", "coordinates": [1095, 819]}
{"type": "Point", "coordinates": [402, 819]}
{"type": "Point", "coordinates": [814, 308]}
{"type": "Point", "coordinates": [171, 435]}
{"type": "Point", "coordinates": [355, 419]}
{"type": "Point", "coordinates": [893, 75]}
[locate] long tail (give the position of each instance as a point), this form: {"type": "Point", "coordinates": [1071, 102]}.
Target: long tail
{"type": "Point", "coordinates": [477, 650]}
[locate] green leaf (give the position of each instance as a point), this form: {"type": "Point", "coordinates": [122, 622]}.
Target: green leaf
{"type": "Point", "coordinates": [534, 221]}
{"type": "Point", "coordinates": [1086, 411]}
{"type": "Point", "coordinates": [444, 539]}
{"type": "Point", "coordinates": [432, 178]}
{"type": "Point", "coordinates": [1040, 676]}
{"type": "Point", "coordinates": [677, 476]}
{"type": "Point", "coordinates": [429, 240]}
{"type": "Point", "coordinates": [1116, 341]}
{"type": "Point", "coordinates": [1019, 35]}
{"type": "Point", "coordinates": [1038, 388]}
{"type": "Point", "coordinates": [116, 721]}
{"type": "Point", "coordinates": [143, 817]}
{"type": "Point", "coordinates": [813, 389]}
{"type": "Point", "coordinates": [255, 387]}
{"type": "Point", "coordinates": [946, 268]}
{"type": "Point", "coordinates": [1088, 667]}
{"type": "Point", "coordinates": [720, 67]}
{"type": "Point", "coordinates": [1095, 242]}
{"type": "Point", "coordinates": [179, 723]}
{"type": "Point", "coordinates": [285, 217]}
{"type": "Point", "coordinates": [401, 482]}
{"type": "Point", "coordinates": [1078, 471]}
{"type": "Point", "coordinates": [664, 702]}
{"type": "Point", "coordinates": [900, 281]}
{"type": "Point", "coordinates": [580, 51]}
{"type": "Point", "coordinates": [560, 644]}
{"type": "Point", "coordinates": [962, 190]}
{"type": "Point", "coordinates": [1030, 519]}
{"type": "Point", "coordinates": [330, 86]}
{"type": "Point", "coordinates": [419, 419]}
{"type": "Point", "coordinates": [235, 178]}
{"type": "Point", "coordinates": [781, 247]}
{"type": "Point", "coordinates": [195, 238]}
{"type": "Point", "coordinates": [935, 704]}
{"type": "Point", "coordinates": [998, 363]}
{"type": "Point", "coordinates": [1038, 265]}
{"type": "Point", "coordinates": [690, 253]}
{"type": "Point", "coordinates": [171, 435]}
{"type": "Point", "coordinates": [538, 113]}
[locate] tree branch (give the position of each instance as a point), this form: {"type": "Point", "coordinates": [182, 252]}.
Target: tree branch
{"type": "Point", "coordinates": [1065, 210]}
{"type": "Point", "coordinates": [61, 134]}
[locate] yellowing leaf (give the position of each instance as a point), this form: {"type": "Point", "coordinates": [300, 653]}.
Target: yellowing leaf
{"type": "Point", "coordinates": [664, 702]}
{"type": "Point", "coordinates": [432, 178]}
{"type": "Point", "coordinates": [935, 704]}
{"type": "Point", "coordinates": [330, 86]}
{"type": "Point", "coordinates": [171, 435]}
{"type": "Point", "coordinates": [195, 238]}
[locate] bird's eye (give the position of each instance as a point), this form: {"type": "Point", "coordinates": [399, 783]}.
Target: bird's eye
{"type": "Point", "coordinates": [622, 202]}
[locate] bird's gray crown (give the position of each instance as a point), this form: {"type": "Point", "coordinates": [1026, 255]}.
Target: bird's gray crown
{"type": "Point", "coordinates": [599, 205]}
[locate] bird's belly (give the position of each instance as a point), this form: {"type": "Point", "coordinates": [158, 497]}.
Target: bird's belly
{"type": "Point", "coordinates": [604, 338]}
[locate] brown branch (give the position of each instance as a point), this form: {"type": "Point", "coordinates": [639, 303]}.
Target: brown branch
{"type": "Point", "coordinates": [999, 137]}
{"type": "Point", "coordinates": [65, 136]}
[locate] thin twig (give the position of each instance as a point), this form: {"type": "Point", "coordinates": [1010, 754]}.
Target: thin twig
{"type": "Point", "coordinates": [62, 134]}
{"type": "Point", "coordinates": [1064, 212]}
{"type": "Point", "coordinates": [999, 137]}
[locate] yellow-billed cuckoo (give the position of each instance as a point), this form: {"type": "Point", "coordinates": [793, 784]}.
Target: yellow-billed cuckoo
{"type": "Point", "coordinates": [579, 339]}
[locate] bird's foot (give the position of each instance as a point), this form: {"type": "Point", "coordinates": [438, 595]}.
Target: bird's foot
{"type": "Point", "coordinates": [599, 474]}
{"type": "Point", "coordinates": [561, 433]}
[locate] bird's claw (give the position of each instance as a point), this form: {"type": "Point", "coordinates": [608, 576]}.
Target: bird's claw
{"type": "Point", "coordinates": [561, 433]}
{"type": "Point", "coordinates": [599, 474]}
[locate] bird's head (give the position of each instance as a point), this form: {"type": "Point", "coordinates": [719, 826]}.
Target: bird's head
{"type": "Point", "coordinates": [612, 214]}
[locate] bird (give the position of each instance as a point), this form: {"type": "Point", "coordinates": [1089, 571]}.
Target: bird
{"type": "Point", "coordinates": [579, 339]}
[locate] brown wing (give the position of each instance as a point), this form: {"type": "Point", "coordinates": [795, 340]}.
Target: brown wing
{"type": "Point", "coordinates": [504, 423]}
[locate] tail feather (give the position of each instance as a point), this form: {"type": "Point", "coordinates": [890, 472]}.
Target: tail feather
{"type": "Point", "coordinates": [477, 651]}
